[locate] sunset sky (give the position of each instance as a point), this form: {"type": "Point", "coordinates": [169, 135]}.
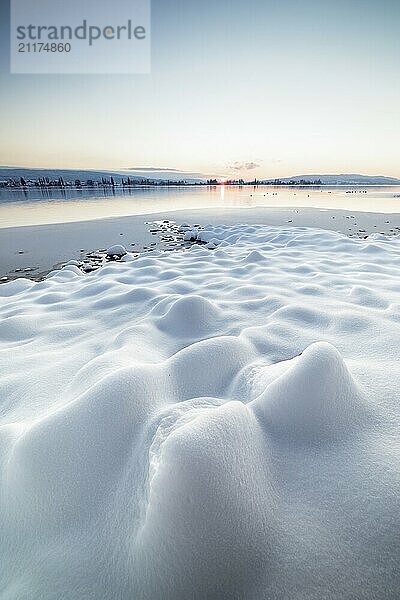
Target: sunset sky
{"type": "Point", "coordinates": [254, 89]}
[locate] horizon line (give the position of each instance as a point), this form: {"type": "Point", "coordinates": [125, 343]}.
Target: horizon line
{"type": "Point", "coordinates": [197, 175]}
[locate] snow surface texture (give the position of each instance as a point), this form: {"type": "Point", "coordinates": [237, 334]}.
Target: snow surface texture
{"type": "Point", "coordinates": [205, 424]}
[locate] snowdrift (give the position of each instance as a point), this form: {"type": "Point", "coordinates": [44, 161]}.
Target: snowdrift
{"type": "Point", "coordinates": [217, 423]}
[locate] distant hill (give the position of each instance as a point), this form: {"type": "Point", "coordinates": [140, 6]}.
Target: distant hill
{"type": "Point", "coordinates": [343, 179]}
{"type": "Point", "coordinates": [67, 174]}
{"type": "Point", "coordinates": [73, 174]}
{"type": "Point", "coordinates": [152, 174]}
{"type": "Point", "coordinates": [155, 173]}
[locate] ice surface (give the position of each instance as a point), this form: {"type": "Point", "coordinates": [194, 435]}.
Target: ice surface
{"type": "Point", "coordinates": [218, 423]}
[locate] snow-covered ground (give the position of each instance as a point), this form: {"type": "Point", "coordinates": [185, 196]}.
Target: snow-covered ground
{"type": "Point", "coordinates": [205, 424]}
{"type": "Point", "coordinates": [40, 247]}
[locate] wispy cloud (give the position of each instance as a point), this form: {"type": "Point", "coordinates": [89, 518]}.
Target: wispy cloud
{"type": "Point", "coordinates": [163, 172]}
{"type": "Point", "coordinates": [244, 166]}
{"type": "Point", "coordinates": [153, 169]}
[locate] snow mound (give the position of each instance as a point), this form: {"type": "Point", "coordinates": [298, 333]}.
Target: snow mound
{"type": "Point", "coordinates": [195, 494]}
{"type": "Point", "coordinates": [203, 424]}
{"type": "Point", "coordinates": [254, 257]}
{"type": "Point", "coordinates": [315, 400]}
{"type": "Point", "coordinates": [116, 250]}
{"type": "Point", "coordinates": [190, 316]}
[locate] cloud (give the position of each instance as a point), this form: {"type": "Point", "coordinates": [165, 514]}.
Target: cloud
{"type": "Point", "coordinates": [244, 166]}
{"type": "Point", "coordinates": [153, 169]}
{"type": "Point", "coordinates": [163, 173]}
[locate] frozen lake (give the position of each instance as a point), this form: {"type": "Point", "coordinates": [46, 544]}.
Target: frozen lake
{"type": "Point", "coordinates": [47, 206]}
{"type": "Point", "coordinates": [40, 229]}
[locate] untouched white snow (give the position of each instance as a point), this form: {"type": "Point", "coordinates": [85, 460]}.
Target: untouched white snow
{"type": "Point", "coordinates": [116, 250]}
{"type": "Point", "coordinates": [205, 424]}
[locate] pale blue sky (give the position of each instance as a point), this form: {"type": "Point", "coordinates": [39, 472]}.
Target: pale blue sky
{"type": "Point", "coordinates": [292, 86]}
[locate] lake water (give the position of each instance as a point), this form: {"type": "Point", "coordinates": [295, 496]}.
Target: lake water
{"type": "Point", "coordinates": [50, 206]}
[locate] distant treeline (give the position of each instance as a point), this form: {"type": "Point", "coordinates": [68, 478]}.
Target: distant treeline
{"type": "Point", "coordinates": [60, 182]}
{"type": "Point", "coordinates": [264, 182]}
